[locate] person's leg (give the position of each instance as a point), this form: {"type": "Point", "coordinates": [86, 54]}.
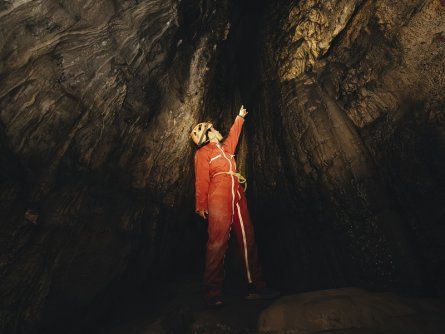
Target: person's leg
{"type": "Point", "coordinates": [245, 238]}
{"type": "Point", "coordinates": [219, 220]}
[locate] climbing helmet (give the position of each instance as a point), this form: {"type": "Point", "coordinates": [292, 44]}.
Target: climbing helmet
{"type": "Point", "coordinates": [199, 133]}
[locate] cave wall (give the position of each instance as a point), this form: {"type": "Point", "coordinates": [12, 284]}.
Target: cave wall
{"type": "Point", "coordinates": [351, 135]}
{"type": "Point", "coordinates": [97, 100]}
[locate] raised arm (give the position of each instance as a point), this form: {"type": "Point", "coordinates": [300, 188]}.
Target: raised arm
{"type": "Point", "coordinates": [235, 131]}
{"type": "Point", "coordinates": [202, 181]}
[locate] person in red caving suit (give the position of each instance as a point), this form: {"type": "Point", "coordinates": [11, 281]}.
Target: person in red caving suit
{"type": "Point", "coordinates": [220, 198]}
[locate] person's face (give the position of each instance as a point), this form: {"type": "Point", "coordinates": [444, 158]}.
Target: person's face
{"type": "Point", "coordinates": [215, 134]}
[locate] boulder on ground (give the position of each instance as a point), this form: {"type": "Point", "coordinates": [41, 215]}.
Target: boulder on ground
{"type": "Point", "coordinates": [352, 310]}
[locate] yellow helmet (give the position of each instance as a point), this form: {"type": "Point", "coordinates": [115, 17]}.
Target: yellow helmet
{"type": "Point", "coordinates": [199, 132]}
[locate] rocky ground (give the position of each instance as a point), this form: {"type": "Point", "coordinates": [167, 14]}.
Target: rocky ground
{"type": "Point", "coordinates": [179, 309]}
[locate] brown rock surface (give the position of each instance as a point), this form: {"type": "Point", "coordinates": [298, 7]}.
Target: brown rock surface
{"type": "Point", "coordinates": [97, 99]}
{"type": "Point", "coordinates": [352, 310]}
{"type": "Point", "coordinates": [352, 140]}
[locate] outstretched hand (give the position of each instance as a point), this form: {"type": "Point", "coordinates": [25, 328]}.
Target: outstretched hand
{"type": "Point", "coordinates": [202, 213]}
{"type": "Point", "coordinates": [242, 112]}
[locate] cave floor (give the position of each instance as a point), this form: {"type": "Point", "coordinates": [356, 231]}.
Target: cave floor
{"type": "Point", "coordinates": [178, 308]}
{"type": "Point", "coordinates": [182, 310]}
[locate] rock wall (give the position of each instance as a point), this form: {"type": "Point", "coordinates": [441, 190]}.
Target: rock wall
{"type": "Point", "coordinates": [97, 100]}
{"type": "Point", "coordinates": [351, 135]}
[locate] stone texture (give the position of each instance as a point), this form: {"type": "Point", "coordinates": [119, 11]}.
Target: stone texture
{"type": "Point", "coordinates": [97, 99]}
{"type": "Point", "coordinates": [351, 310]}
{"type": "Point", "coordinates": [308, 32]}
{"type": "Point", "coordinates": [336, 139]}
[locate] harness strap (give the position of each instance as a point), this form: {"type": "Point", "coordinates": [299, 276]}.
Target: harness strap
{"type": "Point", "coordinates": [241, 179]}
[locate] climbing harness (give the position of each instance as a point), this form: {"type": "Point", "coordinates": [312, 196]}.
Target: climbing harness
{"type": "Point", "coordinates": [241, 179]}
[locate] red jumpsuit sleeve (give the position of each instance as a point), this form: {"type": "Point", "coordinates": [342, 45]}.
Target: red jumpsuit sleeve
{"type": "Point", "coordinates": [202, 179]}
{"type": "Point", "coordinates": [234, 133]}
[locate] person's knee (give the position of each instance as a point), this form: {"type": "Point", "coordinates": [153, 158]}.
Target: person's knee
{"type": "Point", "coordinates": [216, 245]}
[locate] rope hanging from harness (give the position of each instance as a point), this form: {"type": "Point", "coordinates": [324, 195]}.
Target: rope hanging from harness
{"type": "Point", "coordinates": [241, 179]}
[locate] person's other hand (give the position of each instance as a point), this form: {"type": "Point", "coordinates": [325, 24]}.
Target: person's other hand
{"type": "Point", "coordinates": [242, 112]}
{"type": "Point", "coordinates": [203, 213]}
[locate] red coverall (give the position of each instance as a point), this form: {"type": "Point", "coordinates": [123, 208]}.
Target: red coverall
{"type": "Point", "coordinates": [223, 197]}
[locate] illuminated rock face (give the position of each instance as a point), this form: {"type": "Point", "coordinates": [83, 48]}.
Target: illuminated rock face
{"type": "Point", "coordinates": [343, 147]}
{"type": "Point", "coordinates": [350, 135]}
{"type": "Point", "coordinates": [97, 101]}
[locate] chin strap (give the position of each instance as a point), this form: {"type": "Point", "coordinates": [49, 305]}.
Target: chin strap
{"type": "Point", "coordinates": [241, 179]}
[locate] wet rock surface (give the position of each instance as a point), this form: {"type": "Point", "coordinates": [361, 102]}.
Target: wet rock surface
{"type": "Point", "coordinates": [343, 147]}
